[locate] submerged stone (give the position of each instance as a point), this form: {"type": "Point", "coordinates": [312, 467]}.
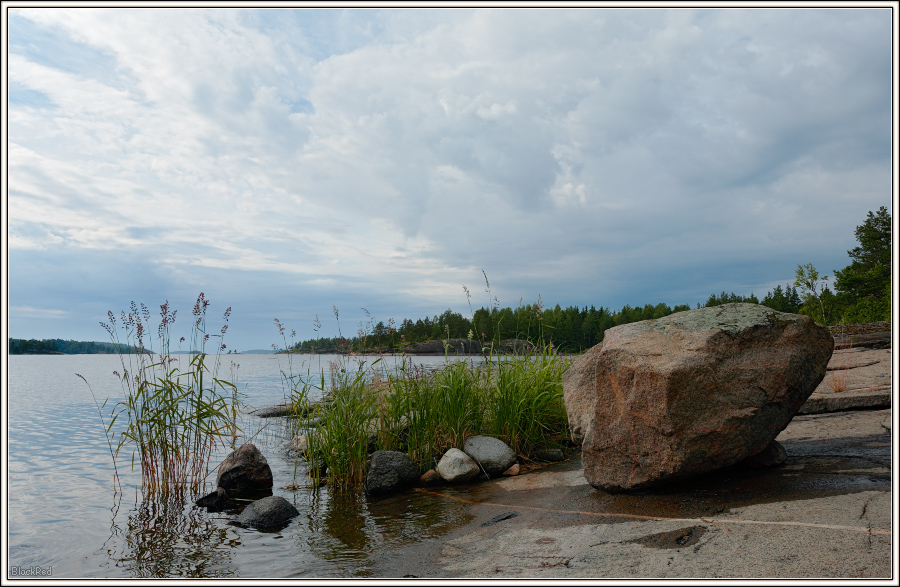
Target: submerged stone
{"type": "Point", "coordinates": [268, 513]}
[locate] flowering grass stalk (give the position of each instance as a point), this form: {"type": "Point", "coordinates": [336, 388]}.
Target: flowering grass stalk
{"type": "Point", "coordinates": [174, 416]}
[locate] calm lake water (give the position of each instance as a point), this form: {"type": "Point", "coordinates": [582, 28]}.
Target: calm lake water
{"type": "Point", "coordinates": [63, 514]}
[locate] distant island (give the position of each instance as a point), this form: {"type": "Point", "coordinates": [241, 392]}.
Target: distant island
{"type": "Point", "coordinates": [56, 346]}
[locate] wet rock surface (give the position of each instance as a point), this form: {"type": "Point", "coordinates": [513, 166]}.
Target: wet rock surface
{"type": "Point", "coordinates": [390, 471]}
{"type": "Point", "coordinates": [826, 513]}
{"type": "Point", "coordinates": [216, 501]}
{"type": "Point", "coordinates": [692, 392]}
{"type": "Point", "coordinates": [269, 513]}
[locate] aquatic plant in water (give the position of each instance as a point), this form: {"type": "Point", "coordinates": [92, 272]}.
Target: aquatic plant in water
{"type": "Point", "coordinates": [174, 415]}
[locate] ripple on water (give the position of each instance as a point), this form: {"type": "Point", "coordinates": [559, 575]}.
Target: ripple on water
{"type": "Point", "coordinates": [63, 512]}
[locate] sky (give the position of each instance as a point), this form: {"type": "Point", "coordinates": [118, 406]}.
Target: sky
{"type": "Point", "coordinates": [286, 162]}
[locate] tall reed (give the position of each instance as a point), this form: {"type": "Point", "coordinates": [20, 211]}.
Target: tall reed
{"type": "Point", "coordinates": [174, 415]}
{"type": "Point", "coordinates": [339, 442]}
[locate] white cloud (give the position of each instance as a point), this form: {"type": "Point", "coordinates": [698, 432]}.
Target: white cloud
{"type": "Point", "coordinates": [404, 151]}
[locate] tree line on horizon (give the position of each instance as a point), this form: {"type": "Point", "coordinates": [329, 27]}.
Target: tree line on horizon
{"type": "Point", "coordinates": [570, 329]}
{"type": "Point", "coordinates": [54, 346]}
{"type": "Point", "coordinates": [862, 294]}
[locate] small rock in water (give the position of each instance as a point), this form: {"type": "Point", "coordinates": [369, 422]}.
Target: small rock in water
{"type": "Point", "coordinates": [215, 501]}
{"type": "Point", "coordinates": [514, 470]}
{"type": "Point", "coordinates": [389, 471]}
{"type": "Point", "coordinates": [500, 518]}
{"type": "Point", "coordinates": [456, 466]}
{"type": "Point", "coordinates": [245, 472]}
{"type": "Point", "coordinates": [431, 477]}
{"type": "Point", "coordinates": [298, 445]}
{"type": "Point", "coordinates": [268, 513]}
{"type": "Point", "coordinates": [492, 454]}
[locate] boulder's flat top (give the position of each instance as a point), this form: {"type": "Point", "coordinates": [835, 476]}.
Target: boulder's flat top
{"type": "Point", "coordinates": [730, 318]}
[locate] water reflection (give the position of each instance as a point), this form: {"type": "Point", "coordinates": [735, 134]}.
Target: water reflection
{"type": "Point", "coordinates": [166, 538]}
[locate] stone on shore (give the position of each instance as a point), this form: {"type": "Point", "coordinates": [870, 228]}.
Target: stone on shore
{"type": "Point", "coordinates": [430, 478]}
{"type": "Point", "coordinates": [692, 392]}
{"type": "Point", "coordinates": [492, 454]}
{"type": "Point", "coordinates": [390, 471]}
{"type": "Point", "coordinates": [245, 473]}
{"type": "Point", "coordinates": [456, 467]}
{"type": "Point", "coordinates": [550, 455]}
{"type": "Point", "coordinates": [269, 513]}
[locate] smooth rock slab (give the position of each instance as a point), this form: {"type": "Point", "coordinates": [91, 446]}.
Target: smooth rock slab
{"type": "Point", "coordinates": [268, 513]}
{"type": "Point", "coordinates": [390, 471]}
{"type": "Point", "coordinates": [456, 467]}
{"type": "Point", "coordinates": [245, 472]}
{"type": "Point", "coordinates": [492, 454]}
{"type": "Point", "coordinates": [692, 392]}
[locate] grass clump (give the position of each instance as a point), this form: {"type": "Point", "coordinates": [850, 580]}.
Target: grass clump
{"type": "Point", "coordinates": [517, 399]}
{"type": "Point", "coordinates": [174, 415]}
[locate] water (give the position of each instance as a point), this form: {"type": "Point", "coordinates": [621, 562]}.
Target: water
{"type": "Point", "coordinates": [63, 514]}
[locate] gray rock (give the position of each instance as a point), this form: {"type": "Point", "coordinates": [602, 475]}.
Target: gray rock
{"type": "Point", "coordinates": [456, 466]}
{"type": "Point", "coordinates": [245, 473]}
{"type": "Point", "coordinates": [492, 454]}
{"type": "Point", "coordinates": [298, 446]}
{"type": "Point", "coordinates": [692, 392]}
{"type": "Point", "coordinates": [390, 471]}
{"type": "Point", "coordinates": [272, 411]}
{"type": "Point", "coordinates": [268, 513]}
{"type": "Point", "coordinates": [552, 455]}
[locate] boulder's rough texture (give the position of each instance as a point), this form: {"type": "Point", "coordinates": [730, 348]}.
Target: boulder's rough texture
{"type": "Point", "coordinates": [456, 466]}
{"type": "Point", "coordinates": [692, 392]}
{"type": "Point", "coordinates": [268, 513]}
{"type": "Point", "coordinates": [389, 471]}
{"type": "Point", "coordinates": [492, 454]}
{"type": "Point", "coordinates": [245, 472]}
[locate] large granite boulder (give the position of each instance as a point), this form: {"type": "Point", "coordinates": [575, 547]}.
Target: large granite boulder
{"type": "Point", "coordinates": [245, 473]}
{"type": "Point", "coordinates": [390, 471]}
{"type": "Point", "coordinates": [692, 392]}
{"type": "Point", "coordinates": [269, 513]}
{"type": "Point", "coordinates": [492, 454]}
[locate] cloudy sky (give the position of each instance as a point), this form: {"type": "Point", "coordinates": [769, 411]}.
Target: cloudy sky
{"type": "Point", "coordinates": [287, 161]}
